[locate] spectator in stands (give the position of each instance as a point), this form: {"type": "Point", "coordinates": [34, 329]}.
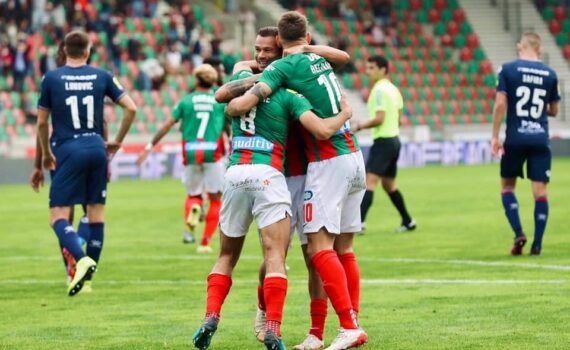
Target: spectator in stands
{"type": "Point", "coordinates": [246, 26]}
{"type": "Point", "coordinates": [173, 59]}
{"type": "Point", "coordinates": [152, 74]}
{"type": "Point", "coordinates": [378, 36]}
{"type": "Point", "coordinates": [20, 66]}
{"type": "Point", "coordinates": [382, 10]}
{"type": "Point", "coordinates": [346, 12]}
{"type": "Point", "coordinates": [189, 22]}
{"type": "Point", "coordinates": [47, 59]}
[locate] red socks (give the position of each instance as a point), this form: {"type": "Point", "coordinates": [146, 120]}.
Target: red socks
{"type": "Point", "coordinates": [274, 292]}
{"type": "Point", "coordinates": [212, 220]}
{"type": "Point", "coordinates": [260, 298]}
{"type": "Point", "coordinates": [332, 274]}
{"type": "Point", "coordinates": [352, 272]}
{"type": "Point", "coordinates": [318, 317]}
{"type": "Point", "coordinates": [191, 200]}
{"type": "Point", "coordinates": [218, 288]}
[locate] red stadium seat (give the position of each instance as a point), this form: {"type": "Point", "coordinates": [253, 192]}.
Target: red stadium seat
{"type": "Point", "coordinates": [459, 15]}
{"type": "Point", "coordinates": [434, 16]}
{"type": "Point", "coordinates": [465, 54]}
{"type": "Point", "coordinates": [415, 5]}
{"type": "Point", "coordinates": [560, 13]}
{"type": "Point", "coordinates": [453, 28]}
{"type": "Point", "coordinates": [554, 27]}
{"type": "Point", "coordinates": [566, 51]}
{"type": "Point", "coordinates": [440, 4]}
{"type": "Point", "coordinates": [485, 67]}
{"type": "Point", "coordinates": [472, 40]}
{"type": "Point", "coordinates": [446, 40]}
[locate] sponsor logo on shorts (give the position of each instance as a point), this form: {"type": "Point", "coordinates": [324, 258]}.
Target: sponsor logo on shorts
{"type": "Point", "coordinates": [248, 185]}
{"type": "Point", "coordinates": [103, 193]}
{"type": "Point", "coordinates": [254, 143]}
{"type": "Point", "coordinates": [308, 195]}
{"type": "Point", "coordinates": [548, 172]}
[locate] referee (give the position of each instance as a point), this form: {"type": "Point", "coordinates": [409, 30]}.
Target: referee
{"type": "Point", "coordinates": [385, 106]}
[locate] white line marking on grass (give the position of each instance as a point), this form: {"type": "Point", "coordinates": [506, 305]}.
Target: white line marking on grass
{"type": "Point", "coordinates": [529, 266]}
{"type": "Point", "coordinates": [300, 282]}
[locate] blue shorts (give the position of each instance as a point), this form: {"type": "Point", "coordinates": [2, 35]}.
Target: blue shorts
{"type": "Point", "coordinates": [538, 161]}
{"type": "Point", "coordinates": [80, 176]}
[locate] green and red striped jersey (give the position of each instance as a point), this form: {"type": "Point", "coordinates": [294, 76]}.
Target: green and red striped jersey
{"type": "Point", "coordinates": [311, 75]}
{"type": "Point", "coordinates": [259, 136]}
{"type": "Point", "coordinates": [202, 122]}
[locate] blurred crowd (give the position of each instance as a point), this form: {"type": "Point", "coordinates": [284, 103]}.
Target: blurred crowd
{"type": "Point", "coordinates": [31, 30]}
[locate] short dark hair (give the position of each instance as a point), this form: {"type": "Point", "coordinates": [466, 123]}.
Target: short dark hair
{"type": "Point", "coordinates": [76, 44]}
{"type": "Point", "coordinates": [213, 61]}
{"type": "Point", "coordinates": [265, 32]}
{"type": "Point", "coordinates": [292, 26]}
{"type": "Point", "coordinates": [380, 61]}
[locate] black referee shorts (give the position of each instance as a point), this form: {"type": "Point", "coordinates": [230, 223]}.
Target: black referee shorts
{"type": "Point", "coordinates": [383, 157]}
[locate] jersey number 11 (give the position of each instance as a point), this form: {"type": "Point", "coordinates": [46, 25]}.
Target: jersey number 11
{"type": "Point", "coordinates": [87, 101]}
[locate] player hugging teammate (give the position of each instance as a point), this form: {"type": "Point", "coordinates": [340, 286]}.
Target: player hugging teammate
{"type": "Point", "coordinates": [255, 186]}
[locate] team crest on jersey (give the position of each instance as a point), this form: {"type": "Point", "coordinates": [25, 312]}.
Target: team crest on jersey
{"type": "Point", "coordinates": [308, 195]}
{"type": "Point", "coordinates": [116, 81]}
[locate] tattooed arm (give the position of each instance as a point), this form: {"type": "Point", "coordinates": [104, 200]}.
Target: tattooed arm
{"type": "Point", "coordinates": [235, 88]}
{"type": "Point", "coordinates": [250, 99]}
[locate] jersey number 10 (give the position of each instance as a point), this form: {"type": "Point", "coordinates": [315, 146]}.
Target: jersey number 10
{"type": "Point", "coordinates": [331, 84]}
{"type": "Point", "coordinates": [537, 106]}
{"type": "Point", "coordinates": [87, 101]}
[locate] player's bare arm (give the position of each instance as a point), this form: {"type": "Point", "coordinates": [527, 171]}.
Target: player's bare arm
{"type": "Point", "coordinates": [325, 128]}
{"type": "Point", "coordinates": [499, 111]}
{"type": "Point", "coordinates": [337, 58]}
{"type": "Point", "coordinates": [37, 177]}
{"type": "Point", "coordinates": [370, 123]}
{"type": "Point", "coordinates": [234, 89]}
{"type": "Point", "coordinates": [130, 111]}
{"type": "Point", "coordinates": [553, 109]}
{"type": "Point", "coordinates": [43, 130]}
{"type": "Point", "coordinates": [246, 65]}
{"type": "Point", "coordinates": [250, 99]}
{"type": "Point", "coordinates": [170, 122]}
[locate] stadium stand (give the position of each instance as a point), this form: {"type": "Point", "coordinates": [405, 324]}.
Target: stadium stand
{"type": "Point", "coordinates": [436, 58]}
{"type": "Point", "coordinates": [151, 50]}
{"type": "Point", "coordinates": [556, 15]}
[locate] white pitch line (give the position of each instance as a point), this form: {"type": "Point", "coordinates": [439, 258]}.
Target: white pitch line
{"type": "Point", "coordinates": [529, 266]}
{"type": "Point", "coordinates": [301, 282]}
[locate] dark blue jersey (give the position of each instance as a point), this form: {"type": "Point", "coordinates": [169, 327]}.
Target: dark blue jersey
{"type": "Point", "coordinates": [75, 96]}
{"type": "Point", "coordinates": [530, 86]}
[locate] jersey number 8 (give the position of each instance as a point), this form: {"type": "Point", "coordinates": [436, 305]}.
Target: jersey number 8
{"type": "Point", "coordinates": [247, 123]}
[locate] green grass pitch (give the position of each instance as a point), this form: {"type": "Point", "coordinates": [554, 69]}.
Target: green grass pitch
{"type": "Point", "coordinates": [449, 285]}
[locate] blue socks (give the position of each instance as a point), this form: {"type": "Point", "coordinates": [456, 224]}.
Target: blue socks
{"type": "Point", "coordinates": [83, 230]}
{"type": "Point", "coordinates": [512, 212]}
{"type": "Point", "coordinates": [68, 238]}
{"type": "Point", "coordinates": [540, 219]}
{"type": "Point", "coordinates": [95, 242]}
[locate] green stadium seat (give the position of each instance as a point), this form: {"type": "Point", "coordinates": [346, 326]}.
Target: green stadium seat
{"type": "Point", "coordinates": [562, 38]}
{"type": "Point", "coordinates": [548, 14]}
{"type": "Point", "coordinates": [422, 16]}
{"type": "Point", "coordinates": [490, 80]}
{"type": "Point", "coordinates": [478, 54]}
{"type": "Point", "coordinates": [459, 41]}
{"type": "Point", "coordinates": [446, 15]}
